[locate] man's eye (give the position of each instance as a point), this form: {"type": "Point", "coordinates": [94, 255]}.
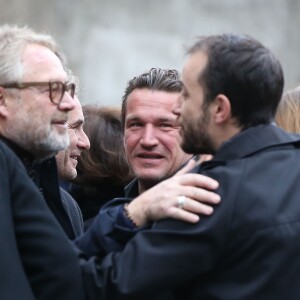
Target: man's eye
{"type": "Point", "coordinates": [72, 127]}
{"type": "Point", "coordinates": [55, 88]}
{"type": "Point", "coordinates": [166, 125]}
{"type": "Point", "coordinates": [54, 85]}
{"type": "Point", "coordinates": [135, 124]}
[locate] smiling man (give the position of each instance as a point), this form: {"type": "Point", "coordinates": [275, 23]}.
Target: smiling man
{"type": "Point", "coordinates": [152, 141]}
{"type": "Point", "coordinates": [35, 100]}
{"type": "Point", "coordinates": [152, 146]}
{"type": "Point", "coordinates": [67, 159]}
{"type": "Point", "coordinates": [67, 162]}
{"type": "Point", "coordinates": [151, 131]}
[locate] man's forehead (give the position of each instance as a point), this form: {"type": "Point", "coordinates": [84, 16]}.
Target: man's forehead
{"type": "Point", "coordinates": [152, 115]}
{"type": "Point", "coordinates": [76, 114]}
{"type": "Point", "coordinates": [143, 98]}
{"type": "Point", "coordinates": [158, 117]}
{"type": "Point", "coordinates": [42, 63]}
{"type": "Point", "coordinates": [194, 65]}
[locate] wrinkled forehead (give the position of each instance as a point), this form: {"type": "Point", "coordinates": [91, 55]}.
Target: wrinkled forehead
{"type": "Point", "coordinates": [149, 103]}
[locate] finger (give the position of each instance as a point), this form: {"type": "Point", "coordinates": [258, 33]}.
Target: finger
{"type": "Point", "coordinates": [195, 207]}
{"type": "Point", "coordinates": [199, 180]}
{"type": "Point", "coordinates": [205, 157]}
{"type": "Point", "coordinates": [183, 215]}
{"type": "Point", "coordinates": [201, 195]}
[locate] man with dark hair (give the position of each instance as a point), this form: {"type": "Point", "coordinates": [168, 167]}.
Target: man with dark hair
{"type": "Point", "coordinates": [67, 161]}
{"type": "Point", "coordinates": [152, 141]}
{"type": "Point", "coordinates": [151, 134]}
{"type": "Point", "coordinates": [152, 147]}
{"type": "Point", "coordinates": [232, 85]}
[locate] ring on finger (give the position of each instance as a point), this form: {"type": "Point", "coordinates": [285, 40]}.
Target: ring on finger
{"type": "Point", "coordinates": [180, 201]}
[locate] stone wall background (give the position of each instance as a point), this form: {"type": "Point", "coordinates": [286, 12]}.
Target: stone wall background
{"type": "Point", "coordinates": [107, 42]}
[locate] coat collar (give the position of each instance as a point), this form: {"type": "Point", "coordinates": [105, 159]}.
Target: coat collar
{"type": "Point", "coordinates": [26, 157]}
{"type": "Point", "coordinates": [253, 140]}
{"type": "Point", "coordinates": [132, 189]}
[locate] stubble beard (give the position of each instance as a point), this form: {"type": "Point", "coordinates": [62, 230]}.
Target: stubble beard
{"type": "Point", "coordinates": [42, 142]}
{"type": "Point", "coordinates": [53, 143]}
{"type": "Point", "coordinates": [196, 139]}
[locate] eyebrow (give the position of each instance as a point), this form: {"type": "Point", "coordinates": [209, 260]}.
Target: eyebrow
{"type": "Point", "coordinates": [76, 123]}
{"type": "Point", "coordinates": [162, 119]}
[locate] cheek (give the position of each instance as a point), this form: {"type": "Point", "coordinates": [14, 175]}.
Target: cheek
{"type": "Point", "coordinates": [186, 111]}
{"type": "Point", "coordinates": [61, 159]}
{"type": "Point", "coordinates": [67, 159]}
{"type": "Point", "coordinates": [73, 138]}
{"type": "Point", "coordinates": [172, 142]}
{"type": "Point", "coordinates": [131, 140]}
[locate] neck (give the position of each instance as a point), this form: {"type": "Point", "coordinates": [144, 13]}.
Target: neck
{"type": "Point", "coordinates": [224, 134]}
{"type": "Point", "coordinates": [144, 185]}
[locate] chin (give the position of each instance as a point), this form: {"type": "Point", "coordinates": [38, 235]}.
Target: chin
{"type": "Point", "coordinates": [148, 176]}
{"type": "Point", "coordinates": [73, 175]}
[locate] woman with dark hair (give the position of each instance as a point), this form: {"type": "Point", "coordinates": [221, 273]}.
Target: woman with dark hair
{"type": "Point", "coordinates": [103, 170]}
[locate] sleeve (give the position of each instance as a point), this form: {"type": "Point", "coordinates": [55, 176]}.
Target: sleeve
{"type": "Point", "coordinates": [110, 230]}
{"type": "Point", "coordinates": [156, 261]}
{"type": "Point", "coordinates": [166, 257]}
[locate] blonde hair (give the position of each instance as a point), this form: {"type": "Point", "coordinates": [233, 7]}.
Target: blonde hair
{"type": "Point", "coordinates": [288, 112]}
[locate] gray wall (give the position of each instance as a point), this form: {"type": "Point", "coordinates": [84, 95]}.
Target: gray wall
{"type": "Point", "coordinates": [107, 42]}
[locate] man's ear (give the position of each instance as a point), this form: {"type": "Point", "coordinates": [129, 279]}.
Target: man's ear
{"type": "Point", "coordinates": [3, 106]}
{"type": "Point", "coordinates": [221, 109]}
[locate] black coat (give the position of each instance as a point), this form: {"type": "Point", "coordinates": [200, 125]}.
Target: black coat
{"type": "Point", "coordinates": [248, 249]}
{"type": "Point", "coordinates": [37, 261]}
{"type": "Point", "coordinates": [44, 175]}
{"type": "Point", "coordinates": [73, 211]}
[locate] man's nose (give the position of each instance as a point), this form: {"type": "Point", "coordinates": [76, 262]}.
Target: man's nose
{"type": "Point", "coordinates": [83, 141]}
{"type": "Point", "coordinates": [67, 103]}
{"type": "Point", "coordinates": [149, 136]}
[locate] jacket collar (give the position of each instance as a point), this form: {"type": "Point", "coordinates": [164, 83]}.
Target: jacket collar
{"type": "Point", "coordinates": [26, 157]}
{"type": "Point", "coordinates": [253, 140]}
{"type": "Point", "coordinates": [132, 189]}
